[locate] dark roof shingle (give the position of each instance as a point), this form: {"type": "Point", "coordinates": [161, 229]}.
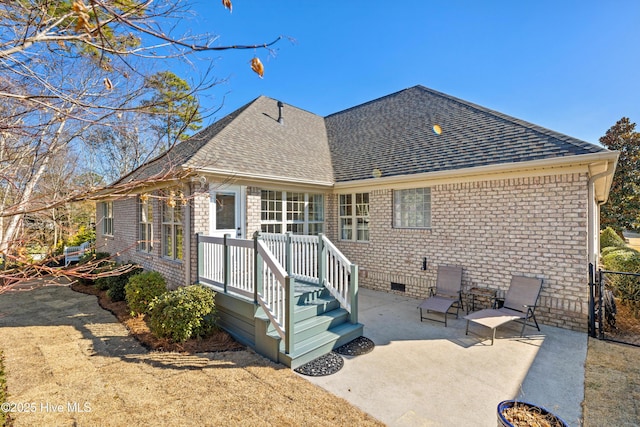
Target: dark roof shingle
{"type": "Point", "coordinates": [395, 135]}
{"type": "Point", "coordinates": [390, 136]}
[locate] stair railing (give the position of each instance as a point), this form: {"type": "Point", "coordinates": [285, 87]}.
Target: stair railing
{"type": "Point", "coordinates": [339, 276]}
{"type": "Point", "coordinates": [297, 253]}
{"type": "Point", "coordinates": [249, 268]}
{"type": "Point", "coordinates": [315, 259]}
{"type": "Point", "coordinates": [274, 292]}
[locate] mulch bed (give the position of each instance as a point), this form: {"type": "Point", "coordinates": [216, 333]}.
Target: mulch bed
{"type": "Point", "coordinates": [138, 328]}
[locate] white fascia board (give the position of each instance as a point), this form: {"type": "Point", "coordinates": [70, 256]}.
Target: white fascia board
{"type": "Point", "coordinates": [570, 164]}
{"type": "Point", "coordinates": [244, 178]}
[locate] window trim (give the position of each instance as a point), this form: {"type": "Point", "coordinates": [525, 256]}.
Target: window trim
{"type": "Point", "coordinates": [145, 243]}
{"type": "Point", "coordinates": [282, 211]}
{"type": "Point", "coordinates": [173, 226]}
{"type": "Point", "coordinates": [398, 204]}
{"type": "Point", "coordinates": [107, 218]}
{"type": "Point", "coordinates": [356, 218]}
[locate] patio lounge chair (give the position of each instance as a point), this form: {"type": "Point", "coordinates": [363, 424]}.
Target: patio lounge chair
{"type": "Point", "coordinates": [519, 306]}
{"type": "Point", "coordinates": [446, 294]}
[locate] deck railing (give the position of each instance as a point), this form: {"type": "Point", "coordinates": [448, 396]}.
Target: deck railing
{"type": "Point", "coordinates": [266, 268]}
{"type": "Point", "coordinates": [250, 269]}
{"type": "Point", "coordinates": [339, 276]}
{"type": "Point", "coordinates": [298, 254]}
{"type": "Point", "coordinates": [315, 259]}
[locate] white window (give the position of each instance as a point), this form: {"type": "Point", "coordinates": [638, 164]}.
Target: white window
{"type": "Point", "coordinates": [145, 228]}
{"type": "Point", "coordinates": [299, 213]}
{"type": "Point", "coordinates": [172, 238]}
{"type": "Point", "coordinates": [354, 217]}
{"type": "Point", "coordinates": [412, 208]}
{"type": "Point", "coordinates": [107, 218]}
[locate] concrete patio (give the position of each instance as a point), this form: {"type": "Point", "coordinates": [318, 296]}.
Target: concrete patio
{"type": "Point", "coordinates": [423, 374]}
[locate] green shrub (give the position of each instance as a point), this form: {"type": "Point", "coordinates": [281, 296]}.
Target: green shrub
{"type": "Point", "coordinates": [183, 313]}
{"type": "Point", "coordinates": [114, 285]}
{"type": "Point", "coordinates": [625, 287]}
{"type": "Point", "coordinates": [141, 289]}
{"type": "Point", "coordinates": [606, 251]}
{"type": "Point", "coordinates": [100, 263]}
{"type": "Point", "coordinates": [84, 235]}
{"type": "Point", "coordinates": [609, 237]}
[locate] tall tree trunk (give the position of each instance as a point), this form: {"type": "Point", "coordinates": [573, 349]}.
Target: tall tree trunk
{"type": "Point", "coordinates": [14, 221]}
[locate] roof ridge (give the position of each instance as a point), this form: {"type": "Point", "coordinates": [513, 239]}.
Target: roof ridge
{"type": "Point", "coordinates": [371, 101]}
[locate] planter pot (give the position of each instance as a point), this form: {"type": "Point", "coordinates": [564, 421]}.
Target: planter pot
{"type": "Point", "coordinates": [554, 420]}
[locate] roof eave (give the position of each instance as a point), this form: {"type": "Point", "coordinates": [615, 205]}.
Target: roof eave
{"type": "Point", "coordinates": [263, 178]}
{"type": "Point", "coordinates": [584, 162]}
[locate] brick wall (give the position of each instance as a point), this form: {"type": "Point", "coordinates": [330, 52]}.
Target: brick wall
{"type": "Point", "coordinates": [534, 226]}
{"type": "Point", "coordinates": [123, 244]}
{"type": "Point", "coordinates": [200, 201]}
{"type": "Point", "coordinates": [254, 197]}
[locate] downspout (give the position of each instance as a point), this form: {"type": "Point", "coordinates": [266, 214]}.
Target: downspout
{"type": "Point", "coordinates": [186, 235]}
{"type": "Point", "coordinates": [594, 217]}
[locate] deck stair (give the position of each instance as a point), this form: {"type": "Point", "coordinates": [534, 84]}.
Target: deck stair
{"type": "Point", "coordinates": [293, 298]}
{"type": "Point", "coordinates": [320, 326]}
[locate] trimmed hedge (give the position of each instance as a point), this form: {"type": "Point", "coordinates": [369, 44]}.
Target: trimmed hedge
{"type": "Point", "coordinates": [184, 313]}
{"type": "Point", "coordinates": [609, 237]}
{"type": "Point", "coordinates": [627, 288]}
{"type": "Point", "coordinates": [143, 288]}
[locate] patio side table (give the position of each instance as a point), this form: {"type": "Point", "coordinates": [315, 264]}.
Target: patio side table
{"type": "Point", "coordinates": [480, 294]}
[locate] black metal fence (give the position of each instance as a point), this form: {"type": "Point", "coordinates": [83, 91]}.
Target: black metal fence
{"type": "Point", "coordinates": [614, 306]}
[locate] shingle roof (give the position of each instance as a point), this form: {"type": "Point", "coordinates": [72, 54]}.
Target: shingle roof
{"type": "Point", "coordinates": [255, 143]}
{"type": "Point", "coordinates": [390, 136]}
{"type": "Point", "coordinates": [252, 141]}
{"type": "Point", "coordinates": [395, 135]}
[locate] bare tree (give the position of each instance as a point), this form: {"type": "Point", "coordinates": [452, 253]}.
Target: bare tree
{"type": "Point", "coordinates": [67, 66]}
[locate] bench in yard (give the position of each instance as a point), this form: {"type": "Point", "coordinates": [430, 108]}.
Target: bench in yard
{"type": "Point", "coordinates": [73, 253]}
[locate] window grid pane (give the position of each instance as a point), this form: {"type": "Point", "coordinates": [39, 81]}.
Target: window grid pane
{"type": "Point", "coordinates": [354, 217]}
{"type": "Point", "coordinates": [304, 212]}
{"type": "Point", "coordinates": [172, 239]}
{"type": "Point", "coordinates": [295, 207]}
{"type": "Point", "coordinates": [146, 226]}
{"type": "Point", "coordinates": [107, 218]}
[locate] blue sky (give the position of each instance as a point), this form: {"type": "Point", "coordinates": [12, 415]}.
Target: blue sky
{"type": "Point", "coordinates": [571, 66]}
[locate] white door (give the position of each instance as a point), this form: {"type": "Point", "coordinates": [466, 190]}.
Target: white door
{"type": "Point", "coordinates": [227, 211]}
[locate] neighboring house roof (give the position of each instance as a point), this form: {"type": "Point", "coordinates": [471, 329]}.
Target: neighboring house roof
{"type": "Point", "coordinates": [390, 136]}
{"type": "Point", "coordinates": [395, 136]}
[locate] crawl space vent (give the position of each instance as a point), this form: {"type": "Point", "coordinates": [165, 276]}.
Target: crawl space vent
{"type": "Point", "coordinates": [398, 287]}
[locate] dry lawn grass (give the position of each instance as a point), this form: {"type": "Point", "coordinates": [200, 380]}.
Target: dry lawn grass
{"type": "Point", "coordinates": [97, 365]}
{"type": "Point", "coordinates": [612, 385]}
{"type": "Point", "coordinates": [199, 384]}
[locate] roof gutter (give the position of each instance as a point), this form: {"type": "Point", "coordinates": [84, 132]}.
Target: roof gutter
{"type": "Point", "coordinates": [558, 162]}
{"type": "Point", "coordinates": [262, 178]}
{"type": "Point", "coordinates": [611, 166]}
